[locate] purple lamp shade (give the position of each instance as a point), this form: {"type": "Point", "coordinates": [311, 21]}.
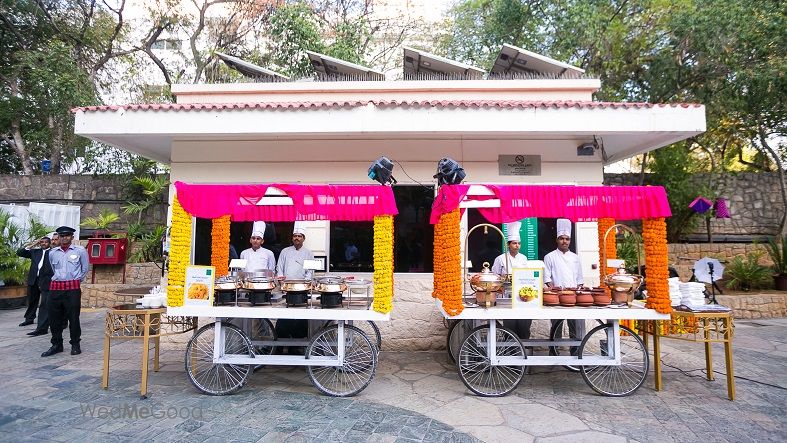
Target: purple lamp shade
{"type": "Point", "coordinates": [701, 205]}
{"type": "Point", "coordinates": [721, 208]}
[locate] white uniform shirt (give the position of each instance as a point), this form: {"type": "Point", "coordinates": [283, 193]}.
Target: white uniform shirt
{"type": "Point", "coordinates": [260, 259]}
{"type": "Point", "coordinates": [291, 263]}
{"type": "Point", "coordinates": [563, 269]}
{"type": "Point", "coordinates": [501, 263]}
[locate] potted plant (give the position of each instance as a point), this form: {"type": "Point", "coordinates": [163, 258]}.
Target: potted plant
{"type": "Point", "coordinates": [778, 252]}
{"type": "Point", "coordinates": [101, 222]}
{"type": "Point", "coordinates": [13, 269]}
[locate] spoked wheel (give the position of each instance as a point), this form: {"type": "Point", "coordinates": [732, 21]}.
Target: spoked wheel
{"type": "Point", "coordinates": [369, 328]}
{"type": "Point", "coordinates": [456, 335]}
{"type": "Point", "coordinates": [264, 331]}
{"type": "Point", "coordinates": [614, 381]}
{"type": "Point", "coordinates": [212, 378]}
{"type": "Point", "coordinates": [474, 366]}
{"type": "Point", "coordinates": [360, 361]}
{"type": "Point", "coordinates": [563, 328]}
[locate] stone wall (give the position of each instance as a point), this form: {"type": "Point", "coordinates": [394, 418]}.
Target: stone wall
{"type": "Point", "coordinates": [754, 201]}
{"type": "Point", "coordinates": [755, 305]}
{"type": "Point", "coordinates": [91, 194]}
{"type": "Point", "coordinates": [683, 255]}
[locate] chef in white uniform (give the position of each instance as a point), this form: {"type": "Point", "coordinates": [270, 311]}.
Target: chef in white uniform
{"type": "Point", "coordinates": [562, 268]}
{"type": "Point", "coordinates": [257, 257]}
{"type": "Point", "coordinates": [521, 327]}
{"type": "Point", "coordinates": [290, 266]}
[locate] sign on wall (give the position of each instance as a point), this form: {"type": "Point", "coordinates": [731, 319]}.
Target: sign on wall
{"type": "Point", "coordinates": [519, 164]}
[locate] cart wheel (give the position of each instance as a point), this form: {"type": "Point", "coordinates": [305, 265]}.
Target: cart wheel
{"type": "Point", "coordinates": [368, 327]}
{"type": "Point", "coordinates": [360, 361]}
{"type": "Point", "coordinates": [618, 380]}
{"type": "Point", "coordinates": [264, 332]}
{"type": "Point", "coordinates": [478, 374]}
{"type": "Point", "coordinates": [211, 378]}
{"type": "Point", "coordinates": [456, 334]}
{"type": "Point", "coordinates": [560, 330]}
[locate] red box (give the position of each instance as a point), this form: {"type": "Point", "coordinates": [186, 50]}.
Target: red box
{"type": "Point", "coordinates": [107, 251]}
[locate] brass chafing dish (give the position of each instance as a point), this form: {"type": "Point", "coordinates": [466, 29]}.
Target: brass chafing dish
{"type": "Point", "coordinates": [296, 285]}
{"type": "Point", "coordinates": [226, 283]}
{"type": "Point", "coordinates": [623, 285]}
{"type": "Point", "coordinates": [486, 285]}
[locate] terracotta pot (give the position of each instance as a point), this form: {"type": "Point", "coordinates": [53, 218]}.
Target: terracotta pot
{"type": "Point", "coordinates": [551, 299]}
{"type": "Point", "coordinates": [584, 299]}
{"type": "Point", "coordinates": [601, 299]}
{"type": "Point", "coordinates": [568, 300]}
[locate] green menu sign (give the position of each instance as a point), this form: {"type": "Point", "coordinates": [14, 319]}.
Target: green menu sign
{"type": "Point", "coordinates": [528, 233]}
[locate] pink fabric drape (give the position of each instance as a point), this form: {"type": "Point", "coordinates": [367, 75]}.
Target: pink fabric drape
{"type": "Point", "coordinates": [310, 202]}
{"type": "Point", "coordinates": [572, 202]}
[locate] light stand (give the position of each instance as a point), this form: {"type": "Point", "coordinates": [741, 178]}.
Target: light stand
{"type": "Point", "coordinates": [712, 299]}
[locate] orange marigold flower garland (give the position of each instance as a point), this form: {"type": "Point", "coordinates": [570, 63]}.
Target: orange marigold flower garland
{"type": "Point", "coordinates": [383, 264]}
{"type": "Point", "coordinates": [220, 245]}
{"type": "Point", "coordinates": [654, 236]}
{"type": "Point", "coordinates": [179, 253]}
{"type": "Point", "coordinates": [447, 263]}
{"type": "Point", "coordinates": [610, 249]}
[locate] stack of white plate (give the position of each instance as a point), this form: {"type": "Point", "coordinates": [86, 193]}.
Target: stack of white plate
{"type": "Point", "coordinates": [692, 294]}
{"type": "Point", "coordinates": [674, 291]}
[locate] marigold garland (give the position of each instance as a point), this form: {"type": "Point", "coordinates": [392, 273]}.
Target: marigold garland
{"type": "Point", "coordinates": [654, 236]}
{"type": "Point", "coordinates": [179, 253]}
{"type": "Point", "coordinates": [220, 245]}
{"type": "Point", "coordinates": [383, 263]}
{"type": "Point", "coordinates": [610, 250]}
{"type": "Point", "coordinates": [447, 263]}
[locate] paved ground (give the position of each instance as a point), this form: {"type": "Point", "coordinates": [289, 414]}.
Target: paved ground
{"type": "Point", "coordinates": [414, 397]}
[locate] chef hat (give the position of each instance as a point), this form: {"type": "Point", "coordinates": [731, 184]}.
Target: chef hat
{"type": "Point", "coordinates": [512, 231]}
{"type": "Point", "coordinates": [258, 229]}
{"type": "Point", "coordinates": [564, 227]}
{"type": "Point", "coordinates": [299, 228]}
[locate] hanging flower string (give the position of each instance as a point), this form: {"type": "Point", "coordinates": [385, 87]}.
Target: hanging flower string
{"type": "Point", "coordinates": [220, 245]}
{"type": "Point", "coordinates": [654, 235]}
{"type": "Point", "coordinates": [383, 263]}
{"type": "Point", "coordinates": [179, 253]}
{"type": "Point", "coordinates": [447, 263]}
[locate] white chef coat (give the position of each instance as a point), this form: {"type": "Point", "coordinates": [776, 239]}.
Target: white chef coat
{"type": "Point", "coordinates": [291, 263]}
{"type": "Point", "coordinates": [501, 263]}
{"type": "Point", "coordinates": [260, 259]}
{"type": "Point", "coordinates": [563, 269]}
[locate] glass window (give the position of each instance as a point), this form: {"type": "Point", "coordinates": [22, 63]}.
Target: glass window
{"type": "Point", "coordinates": [110, 251]}
{"type": "Point", "coordinates": [95, 250]}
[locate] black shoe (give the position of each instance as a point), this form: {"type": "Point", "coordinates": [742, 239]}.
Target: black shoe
{"type": "Point", "coordinates": [52, 351]}
{"type": "Point", "coordinates": [75, 350]}
{"type": "Point", "coordinates": [36, 333]}
{"type": "Point", "coordinates": [26, 322]}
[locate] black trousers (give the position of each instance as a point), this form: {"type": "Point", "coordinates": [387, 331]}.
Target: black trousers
{"type": "Point", "coordinates": [33, 296]}
{"type": "Point", "coordinates": [291, 328]}
{"type": "Point", "coordinates": [43, 312]}
{"type": "Point", "coordinates": [65, 305]}
{"type": "Point", "coordinates": [520, 327]}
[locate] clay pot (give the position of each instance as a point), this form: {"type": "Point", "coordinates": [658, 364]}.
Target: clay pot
{"type": "Point", "coordinates": [568, 299]}
{"type": "Point", "coordinates": [551, 299]}
{"type": "Point", "coordinates": [601, 299]}
{"type": "Point", "coordinates": [584, 299]}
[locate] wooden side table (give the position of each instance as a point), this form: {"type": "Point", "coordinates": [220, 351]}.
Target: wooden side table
{"type": "Point", "coordinates": [698, 327]}
{"type": "Point", "coordinates": [125, 322]}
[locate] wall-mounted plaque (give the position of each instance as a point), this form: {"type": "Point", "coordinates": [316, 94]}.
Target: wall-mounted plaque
{"type": "Point", "coordinates": [519, 164]}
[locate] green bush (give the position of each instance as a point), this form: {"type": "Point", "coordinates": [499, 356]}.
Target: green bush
{"type": "Point", "coordinates": [13, 269]}
{"type": "Point", "coordinates": [778, 252]}
{"type": "Point", "coordinates": [747, 273]}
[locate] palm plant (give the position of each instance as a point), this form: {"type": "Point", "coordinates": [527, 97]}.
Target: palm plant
{"type": "Point", "coordinates": [152, 188]}
{"type": "Point", "coordinates": [13, 269]}
{"type": "Point", "coordinates": [746, 274]}
{"type": "Point", "coordinates": [777, 250]}
{"type": "Point", "coordinates": [102, 221]}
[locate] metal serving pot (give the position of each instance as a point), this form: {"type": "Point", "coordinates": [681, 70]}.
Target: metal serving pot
{"type": "Point", "coordinates": [259, 284]}
{"type": "Point", "coordinates": [226, 283]}
{"type": "Point", "coordinates": [330, 283]}
{"type": "Point", "coordinates": [296, 285]}
{"type": "Point", "coordinates": [621, 281]}
{"type": "Point", "coordinates": [487, 281]}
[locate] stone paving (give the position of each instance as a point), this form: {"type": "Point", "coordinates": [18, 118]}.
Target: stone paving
{"type": "Point", "coordinates": [414, 397]}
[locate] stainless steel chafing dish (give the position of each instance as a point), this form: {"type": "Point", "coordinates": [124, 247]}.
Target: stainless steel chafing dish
{"type": "Point", "coordinates": [296, 285]}
{"type": "Point", "coordinates": [330, 283]}
{"type": "Point", "coordinates": [226, 283]}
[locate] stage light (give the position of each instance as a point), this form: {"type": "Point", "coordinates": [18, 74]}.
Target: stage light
{"type": "Point", "coordinates": [449, 172]}
{"type": "Point", "coordinates": [381, 171]}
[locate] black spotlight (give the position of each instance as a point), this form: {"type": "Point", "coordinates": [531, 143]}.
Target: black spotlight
{"type": "Point", "coordinates": [449, 172]}
{"type": "Point", "coordinates": [381, 171]}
